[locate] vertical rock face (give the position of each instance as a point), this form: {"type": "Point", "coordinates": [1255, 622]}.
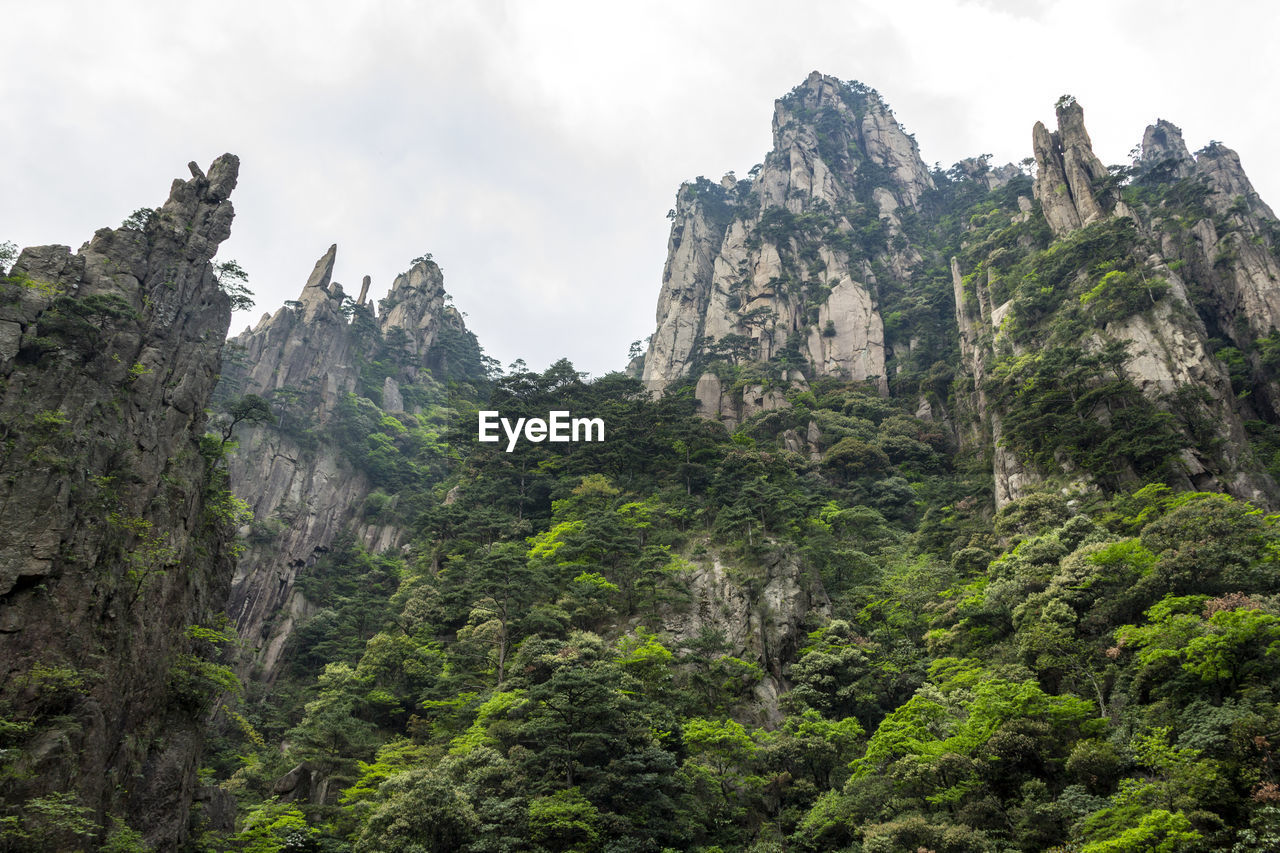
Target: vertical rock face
{"type": "Point", "coordinates": [1236, 246]}
{"type": "Point", "coordinates": [1230, 257]}
{"type": "Point", "coordinates": [767, 625]}
{"type": "Point", "coordinates": [1195, 248]}
{"type": "Point", "coordinates": [782, 271]}
{"type": "Point", "coordinates": [113, 526]}
{"type": "Point", "coordinates": [1067, 171]}
{"type": "Point", "coordinates": [303, 489]}
{"type": "Point", "coordinates": [1163, 148]}
{"type": "Point", "coordinates": [1010, 478]}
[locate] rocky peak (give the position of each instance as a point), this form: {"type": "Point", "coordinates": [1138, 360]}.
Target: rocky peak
{"type": "Point", "coordinates": [836, 142]}
{"type": "Point", "coordinates": [306, 359]}
{"type": "Point", "coordinates": [318, 298]}
{"type": "Point", "coordinates": [979, 169]}
{"type": "Point", "coordinates": [283, 350]}
{"type": "Point", "coordinates": [1163, 149]}
{"type": "Point", "coordinates": [1067, 170]}
{"type": "Point", "coordinates": [778, 270]}
{"type": "Point", "coordinates": [416, 304]}
{"type": "Point", "coordinates": [111, 547]}
{"type": "Point", "coordinates": [1220, 167]}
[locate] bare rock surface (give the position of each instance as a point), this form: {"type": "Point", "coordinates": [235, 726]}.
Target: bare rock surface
{"type": "Point", "coordinates": [113, 535]}
{"type": "Point", "coordinates": [303, 489]}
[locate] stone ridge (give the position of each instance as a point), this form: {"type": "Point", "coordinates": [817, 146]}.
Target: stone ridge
{"type": "Point", "coordinates": [307, 491]}
{"type": "Point", "coordinates": [112, 542]}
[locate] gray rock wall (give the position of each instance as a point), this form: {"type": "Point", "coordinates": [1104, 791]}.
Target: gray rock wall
{"type": "Point", "coordinates": [112, 539]}
{"type": "Point", "coordinates": [306, 492]}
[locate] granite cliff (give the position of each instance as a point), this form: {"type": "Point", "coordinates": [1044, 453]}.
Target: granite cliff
{"type": "Point", "coordinates": [1152, 302]}
{"type": "Point", "coordinates": [968, 292]}
{"type": "Point", "coordinates": [114, 545]}
{"type": "Point", "coordinates": [323, 361]}
{"type": "Point", "coordinates": [777, 270]}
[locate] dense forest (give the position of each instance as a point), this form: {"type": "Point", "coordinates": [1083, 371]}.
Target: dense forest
{"type": "Point", "coordinates": [1017, 592]}
{"type": "Point", "coordinates": [1091, 668]}
{"type": "Point", "coordinates": [1095, 671]}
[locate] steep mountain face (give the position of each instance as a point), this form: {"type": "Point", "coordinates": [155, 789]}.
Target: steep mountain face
{"type": "Point", "coordinates": [114, 539]}
{"type": "Point", "coordinates": [324, 362]}
{"type": "Point", "coordinates": [1146, 296]}
{"type": "Point", "coordinates": [785, 269]}
{"type": "Point", "coordinates": [1138, 331]}
{"type": "Point", "coordinates": [816, 631]}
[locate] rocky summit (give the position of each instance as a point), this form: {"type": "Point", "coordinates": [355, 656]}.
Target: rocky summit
{"type": "Point", "coordinates": [115, 546]}
{"type": "Point", "coordinates": [830, 261]}
{"type": "Point", "coordinates": [324, 360]}
{"type": "Point", "coordinates": [933, 516]}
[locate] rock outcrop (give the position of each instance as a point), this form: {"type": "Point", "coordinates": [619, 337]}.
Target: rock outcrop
{"type": "Point", "coordinates": [828, 262]}
{"type": "Point", "coordinates": [1163, 149]}
{"type": "Point", "coordinates": [1201, 261]}
{"type": "Point", "coordinates": [1067, 171]}
{"type": "Point", "coordinates": [766, 626]}
{"type": "Point", "coordinates": [777, 271]}
{"type": "Point", "coordinates": [303, 487]}
{"type": "Point", "coordinates": [114, 528]}
{"type": "Point", "coordinates": [977, 329]}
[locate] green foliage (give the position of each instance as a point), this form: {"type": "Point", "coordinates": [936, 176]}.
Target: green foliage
{"type": "Point", "coordinates": [1087, 670]}
{"type": "Point", "coordinates": [1158, 831]}
{"type": "Point", "coordinates": [421, 813]}
{"type": "Point", "coordinates": [274, 827]}
{"type": "Point", "coordinates": [249, 409]}
{"type": "Point", "coordinates": [1045, 278]}
{"type": "Point", "coordinates": [123, 838]}
{"type": "Point", "coordinates": [56, 821]}
{"type": "Point", "coordinates": [140, 219]}
{"type": "Point", "coordinates": [564, 821]}
{"type": "Point", "coordinates": [1119, 294]}
{"type": "Point", "coordinates": [195, 677]}
{"type": "Point", "coordinates": [234, 282]}
{"type": "Point", "coordinates": [1066, 402]}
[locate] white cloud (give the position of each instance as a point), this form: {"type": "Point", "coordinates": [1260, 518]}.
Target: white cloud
{"type": "Point", "coordinates": [533, 147]}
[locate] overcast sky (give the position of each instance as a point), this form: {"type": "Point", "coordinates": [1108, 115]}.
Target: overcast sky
{"type": "Point", "coordinates": [535, 147]}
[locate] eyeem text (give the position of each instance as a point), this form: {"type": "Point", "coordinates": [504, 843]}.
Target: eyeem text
{"type": "Point", "coordinates": [559, 426]}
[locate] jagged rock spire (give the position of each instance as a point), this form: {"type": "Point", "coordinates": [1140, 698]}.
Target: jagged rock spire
{"type": "Point", "coordinates": [1067, 170]}
{"type": "Point", "coordinates": [734, 287]}
{"type": "Point", "coordinates": [128, 393]}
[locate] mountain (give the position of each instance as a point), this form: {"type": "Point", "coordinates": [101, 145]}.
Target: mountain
{"type": "Point", "coordinates": [778, 270]}
{"type": "Point", "coordinates": [115, 549]}
{"type": "Point", "coordinates": [1148, 290]}
{"type": "Point", "coordinates": [934, 517]}
{"type": "Point", "coordinates": [328, 364]}
{"type": "Point", "coordinates": [940, 532]}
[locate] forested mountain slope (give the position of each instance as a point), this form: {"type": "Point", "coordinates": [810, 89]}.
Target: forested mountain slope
{"type": "Point", "coordinates": [333, 372]}
{"type": "Point", "coordinates": [777, 609]}
{"type": "Point", "coordinates": [933, 518]}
